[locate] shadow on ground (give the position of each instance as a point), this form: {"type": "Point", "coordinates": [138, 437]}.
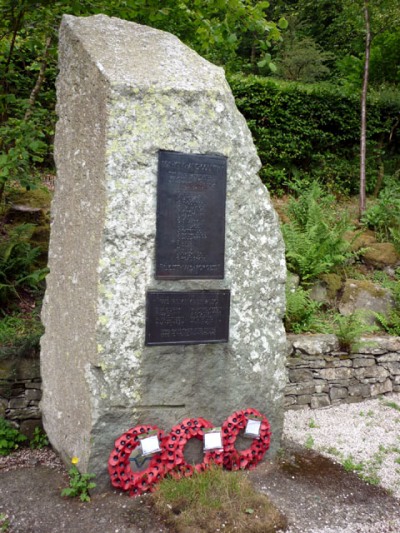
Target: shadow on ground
{"type": "Point", "coordinates": [312, 491]}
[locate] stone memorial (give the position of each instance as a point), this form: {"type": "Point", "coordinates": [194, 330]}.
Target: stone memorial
{"type": "Point", "coordinates": [158, 218]}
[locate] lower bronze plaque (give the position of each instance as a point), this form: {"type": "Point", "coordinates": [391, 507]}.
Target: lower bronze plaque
{"type": "Point", "coordinates": [187, 317]}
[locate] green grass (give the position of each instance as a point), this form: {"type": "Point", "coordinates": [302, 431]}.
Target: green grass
{"type": "Point", "coordinates": [309, 442]}
{"type": "Point", "coordinates": [4, 523]}
{"type": "Point", "coordinates": [393, 405]}
{"type": "Point", "coordinates": [351, 466]}
{"type": "Point", "coordinates": [216, 500]}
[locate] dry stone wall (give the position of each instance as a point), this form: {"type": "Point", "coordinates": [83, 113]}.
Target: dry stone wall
{"type": "Point", "coordinates": [320, 375]}
{"type": "Point", "coordinates": [20, 393]}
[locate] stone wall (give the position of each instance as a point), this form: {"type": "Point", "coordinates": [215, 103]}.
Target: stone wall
{"type": "Point", "coordinates": [320, 375]}
{"type": "Point", "coordinates": [20, 393]}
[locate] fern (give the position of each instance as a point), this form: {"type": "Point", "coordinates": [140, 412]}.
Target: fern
{"type": "Point", "coordinates": [389, 323]}
{"type": "Point", "coordinates": [18, 262]}
{"type": "Point", "coordinates": [314, 236]}
{"type": "Point", "coordinates": [301, 311]}
{"type": "Point", "coordinates": [349, 329]}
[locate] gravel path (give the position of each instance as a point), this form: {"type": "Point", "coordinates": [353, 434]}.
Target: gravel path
{"type": "Point", "coordinates": [314, 491]}
{"type": "Point", "coordinates": [365, 439]}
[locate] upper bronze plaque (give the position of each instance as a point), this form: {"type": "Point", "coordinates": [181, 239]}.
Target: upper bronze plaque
{"type": "Point", "coordinates": [190, 241]}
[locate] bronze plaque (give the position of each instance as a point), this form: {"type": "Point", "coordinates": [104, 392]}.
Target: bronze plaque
{"type": "Point", "coordinates": [191, 193]}
{"type": "Point", "coordinates": [187, 317]}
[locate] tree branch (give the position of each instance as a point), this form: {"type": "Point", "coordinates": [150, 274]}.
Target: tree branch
{"type": "Point", "coordinates": [39, 81]}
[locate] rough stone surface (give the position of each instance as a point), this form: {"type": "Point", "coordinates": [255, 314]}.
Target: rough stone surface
{"type": "Point", "coordinates": [381, 255]}
{"type": "Point", "coordinates": [379, 345]}
{"type": "Point", "coordinates": [381, 388]}
{"type": "Point", "coordinates": [345, 378]}
{"type": "Point", "coordinates": [314, 344]}
{"type": "Point", "coordinates": [363, 361]}
{"type": "Point", "coordinates": [320, 400]}
{"type": "Point", "coordinates": [301, 374]}
{"type": "Point", "coordinates": [126, 91]}
{"type": "Point", "coordinates": [338, 393]}
{"type": "Point", "coordinates": [363, 295]}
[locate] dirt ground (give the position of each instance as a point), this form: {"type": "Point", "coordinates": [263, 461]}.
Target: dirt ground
{"type": "Point", "coordinates": [312, 491]}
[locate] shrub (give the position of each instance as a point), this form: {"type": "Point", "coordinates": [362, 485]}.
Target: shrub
{"type": "Point", "coordinates": [312, 130]}
{"type": "Point", "coordinates": [389, 323]}
{"type": "Point", "coordinates": [10, 438]}
{"type": "Point", "coordinates": [349, 329]}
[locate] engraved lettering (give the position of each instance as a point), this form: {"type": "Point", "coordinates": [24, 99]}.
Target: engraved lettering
{"type": "Point", "coordinates": [190, 216]}
{"type": "Point", "coordinates": [190, 317]}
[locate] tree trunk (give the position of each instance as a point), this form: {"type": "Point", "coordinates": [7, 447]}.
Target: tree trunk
{"type": "Point", "coordinates": [39, 81]}
{"type": "Point", "coordinates": [363, 135]}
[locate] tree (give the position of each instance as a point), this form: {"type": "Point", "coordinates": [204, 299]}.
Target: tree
{"type": "Point", "coordinates": [231, 33]}
{"type": "Point", "coordinates": [299, 57]}
{"type": "Point", "coordinates": [378, 17]}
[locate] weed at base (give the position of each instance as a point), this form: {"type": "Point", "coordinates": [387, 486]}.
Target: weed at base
{"type": "Point", "coordinates": [79, 484]}
{"type": "Point", "coordinates": [216, 500]}
{"type": "Point", "coordinates": [4, 523]}
{"type": "Point", "coordinates": [393, 405]}
{"type": "Point", "coordinates": [309, 442]}
{"type": "Point", "coordinates": [350, 466]}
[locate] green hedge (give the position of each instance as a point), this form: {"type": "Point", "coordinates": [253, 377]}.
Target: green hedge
{"type": "Point", "coordinates": [313, 131]}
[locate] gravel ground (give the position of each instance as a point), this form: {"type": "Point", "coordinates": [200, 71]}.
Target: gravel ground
{"type": "Point", "coordinates": [365, 439]}
{"type": "Point", "coordinates": [308, 483]}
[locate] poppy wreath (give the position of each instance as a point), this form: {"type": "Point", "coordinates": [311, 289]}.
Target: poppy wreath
{"type": "Point", "coordinates": [174, 444]}
{"type": "Point", "coordinates": [121, 474]}
{"type": "Point", "coordinates": [250, 457]}
{"type": "Point", "coordinates": [171, 458]}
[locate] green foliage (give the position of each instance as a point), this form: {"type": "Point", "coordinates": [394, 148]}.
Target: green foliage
{"type": "Point", "coordinates": [309, 442]}
{"type": "Point", "coordinates": [18, 262]}
{"type": "Point", "coordinates": [4, 523]}
{"type": "Point", "coordinates": [351, 466]}
{"type": "Point", "coordinates": [390, 322]}
{"type": "Point", "coordinates": [384, 215]}
{"type": "Point", "coordinates": [39, 439]}
{"type": "Point", "coordinates": [308, 132]}
{"type": "Point", "coordinates": [314, 235]}
{"type": "Point", "coordinates": [349, 329]}
{"type": "Point", "coordinates": [385, 62]}
{"type": "Point", "coordinates": [79, 485]}
{"type": "Point", "coordinates": [23, 146]}
{"type": "Point", "coordinates": [302, 60]}
{"type": "Point", "coordinates": [205, 500]}
{"type": "Point", "coordinates": [301, 311]}
{"type": "Point", "coordinates": [20, 335]}
{"type": "Point", "coordinates": [10, 438]}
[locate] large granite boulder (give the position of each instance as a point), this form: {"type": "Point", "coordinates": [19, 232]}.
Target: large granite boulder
{"type": "Point", "coordinates": [125, 92]}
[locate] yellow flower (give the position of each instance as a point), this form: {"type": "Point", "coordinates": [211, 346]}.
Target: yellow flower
{"type": "Point", "coordinates": [75, 460]}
